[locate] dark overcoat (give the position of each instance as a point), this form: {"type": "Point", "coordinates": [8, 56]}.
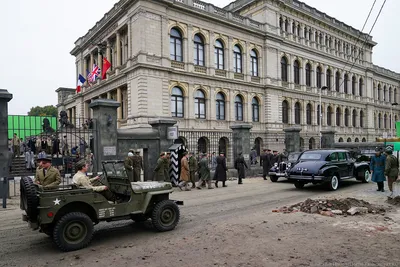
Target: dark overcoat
{"type": "Point", "coordinates": [240, 164]}
{"type": "Point", "coordinates": [377, 167]}
{"type": "Point", "coordinates": [265, 161]}
{"type": "Point", "coordinates": [220, 171]}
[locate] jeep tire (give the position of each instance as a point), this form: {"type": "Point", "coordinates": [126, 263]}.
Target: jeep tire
{"type": "Point", "coordinates": [73, 231]}
{"type": "Point", "coordinates": [165, 215]}
{"type": "Point", "coordinates": [29, 198]}
{"type": "Point", "coordinates": [274, 178]}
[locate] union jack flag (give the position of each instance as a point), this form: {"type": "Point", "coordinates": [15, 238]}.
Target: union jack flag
{"type": "Point", "coordinates": [92, 76]}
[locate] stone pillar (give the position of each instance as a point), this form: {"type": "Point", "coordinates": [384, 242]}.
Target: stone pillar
{"type": "Point", "coordinates": [327, 138]}
{"type": "Point", "coordinates": [241, 141]}
{"type": "Point", "coordinates": [292, 139]}
{"type": "Point", "coordinates": [105, 134]}
{"type": "Point", "coordinates": [161, 126]}
{"type": "Point", "coordinates": [118, 47]}
{"type": "Point", "coordinates": [91, 62]}
{"type": "Point", "coordinates": [119, 110]}
{"type": "Point", "coordinates": [5, 97]}
{"type": "Point", "coordinates": [99, 59]}
{"type": "Point", "coordinates": [108, 95]}
{"type": "Point", "coordinates": [84, 73]}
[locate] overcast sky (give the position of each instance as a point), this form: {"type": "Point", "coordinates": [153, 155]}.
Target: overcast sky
{"type": "Point", "coordinates": [37, 36]}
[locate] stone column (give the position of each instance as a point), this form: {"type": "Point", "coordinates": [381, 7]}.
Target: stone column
{"type": "Point", "coordinates": [161, 126]}
{"type": "Point", "coordinates": [105, 134]}
{"type": "Point", "coordinates": [5, 97]}
{"type": "Point", "coordinates": [91, 61]}
{"type": "Point", "coordinates": [84, 72]}
{"type": "Point", "coordinates": [241, 141]}
{"type": "Point", "coordinates": [118, 47]}
{"type": "Point", "coordinates": [327, 139]}
{"type": "Point", "coordinates": [108, 95]}
{"type": "Point", "coordinates": [119, 110]}
{"type": "Point", "coordinates": [99, 59]}
{"type": "Point", "coordinates": [292, 139]}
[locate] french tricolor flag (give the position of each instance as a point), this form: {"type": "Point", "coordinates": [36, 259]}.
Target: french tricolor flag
{"type": "Point", "coordinates": [81, 81]}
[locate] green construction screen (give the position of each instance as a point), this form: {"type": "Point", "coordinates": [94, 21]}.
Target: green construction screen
{"type": "Point", "coordinates": [25, 126]}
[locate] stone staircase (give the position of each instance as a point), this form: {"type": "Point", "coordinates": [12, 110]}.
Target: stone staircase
{"type": "Point", "coordinates": [18, 168]}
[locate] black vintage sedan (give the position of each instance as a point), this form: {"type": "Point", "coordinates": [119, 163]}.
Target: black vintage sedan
{"type": "Point", "coordinates": [280, 169]}
{"type": "Point", "coordinates": [328, 167]}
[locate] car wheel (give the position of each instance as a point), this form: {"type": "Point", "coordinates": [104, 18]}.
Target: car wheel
{"type": "Point", "coordinates": [140, 218]}
{"type": "Point", "coordinates": [73, 231]}
{"type": "Point", "coordinates": [274, 178]}
{"type": "Point", "coordinates": [165, 215]}
{"type": "Point", "coordinates": [367, 176]}
{"type": "Point", "coordinates": [29, 198]}
{"type": "Point", "coordinates": [333, 184]}
{"type": "Point", "coordinates": [299, 185]}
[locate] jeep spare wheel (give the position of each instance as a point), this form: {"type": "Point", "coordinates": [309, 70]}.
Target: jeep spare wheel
{"type": "Point", "coordinates": [29, 198]}
{"type": "Point", "coordinates": [165, 215]}
{"type": "Point", "coordinates": [73, 231]}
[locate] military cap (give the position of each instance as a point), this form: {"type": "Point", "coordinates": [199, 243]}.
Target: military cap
{"type": "Point", "coordinates": [265, 149]}
{"type": "Point", "coordinates": [268, 149]}
{"type": "Point", "coordinates": [162, 154]}
{"type": "Point", "coordinates": [43, 157]}
{"type": "Point", "coordinates": [274, 151]}
{"type": "Point", "coordinates": [377, 149]}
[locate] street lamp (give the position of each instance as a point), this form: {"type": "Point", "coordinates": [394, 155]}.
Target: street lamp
{"type": "Point", "coordinates": [391, 118]}
{"type": "Point", "coordinates": [320, 114]}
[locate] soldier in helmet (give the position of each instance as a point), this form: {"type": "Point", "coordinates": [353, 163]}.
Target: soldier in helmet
{"type": "Point", "coordinates": [137, 166]}
{"type": "Point", "coordinates": [128, 164]}
{"type": "Point", "coordinates": [158, 173]}
{"type": "Point", "coordinates": [193, 168]}
{"type": "Point", "coordinates": [391, 168]}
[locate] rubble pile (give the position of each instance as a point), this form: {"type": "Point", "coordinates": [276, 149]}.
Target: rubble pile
{"type": "Point", "coordinates": [394, 201]}
{"type": "Point", "coordinates": [332, 207]}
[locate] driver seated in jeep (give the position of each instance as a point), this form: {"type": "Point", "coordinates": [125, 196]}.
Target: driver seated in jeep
{"type": "Point", "coordinates": [80, 179]}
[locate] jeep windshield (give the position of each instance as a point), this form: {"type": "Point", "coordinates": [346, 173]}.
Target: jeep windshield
{"type": "Point", "coordinates": [115, 169]}
{"type": "Point", "coordinates": [310, 156]}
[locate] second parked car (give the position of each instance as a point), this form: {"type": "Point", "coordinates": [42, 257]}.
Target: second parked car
{"type": "Point", "coordinates": [328, 167]}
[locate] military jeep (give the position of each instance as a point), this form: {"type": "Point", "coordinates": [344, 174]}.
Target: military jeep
{"type": "Point", "coordinates": [68, 214]}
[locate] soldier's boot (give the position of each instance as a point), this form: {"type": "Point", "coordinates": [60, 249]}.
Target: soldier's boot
{"type": "Point", "coordinates": [216, 184]}
{"type": "Point", "coordinates": [209, 185]}
{"type": "Point", "coordinates": [199, 184]}
{"type": "Point", "coordinates": [240, 181]}
{"type": "Point", "coordinates": [223, 184]}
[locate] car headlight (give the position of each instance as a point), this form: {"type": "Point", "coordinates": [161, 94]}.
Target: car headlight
{"type": "Point", "coordinates": [289, 165]}
{"type": "Point", "coordinates": [275, 164]}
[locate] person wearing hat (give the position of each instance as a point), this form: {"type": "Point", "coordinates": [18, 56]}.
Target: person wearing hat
{"type": "Point", "coordinates": [265, 162]}
{"type": "Point", "coordinates": [46, 175]}
{"type": "Point", "coordinates": [128, 164]}
{"type": "Point", "coordinates": [158, 173]}
{"type": "Point", "coordinates": [220, 171]}
{"type": "Point", "coordinates": [193, 166]}
{"type": "Point", "coordinates": [137, 166]}
{"type": "Point", "coordinates": [275, 158]}
{"type": "Point", "coordinates": [204, 172]}
{"type": "Point", "coordinates": [377, 167]}
{"type": "Point", "coordinates": [185, 173]}
{"type": "Point", "coordinates": [240, 163]}
{"type": "Point", "coordinates": [391, 167]}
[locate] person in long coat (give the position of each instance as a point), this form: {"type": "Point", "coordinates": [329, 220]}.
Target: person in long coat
{"type": "Point", "coordinates": [220, 171]}
{"type": "Point", "coordinates": [159, 170]}
{"type": "Point", "coordinates": [185, 173]}
{"type": "Point", "coordinates": [265, 162]}
{"type": "Point", "coordinates": [204, 172]}
{"type": "Point", "coordinates": [391, 168]}
{"type": "Point", "coordinates": [128, 164]}
{"type": "Point", "coordinates": [240, 163]}
{"type": "Point", "coordinates": [377, 167]}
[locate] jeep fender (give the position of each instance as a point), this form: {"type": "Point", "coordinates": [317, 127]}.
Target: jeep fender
{"type": "Point", "coordinates": [329, 170]}
{"type": "Point", "coordinates": [150, 196]}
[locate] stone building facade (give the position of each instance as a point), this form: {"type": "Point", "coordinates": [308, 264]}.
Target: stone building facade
{"type": "Point", "coordinates": [253, 62]}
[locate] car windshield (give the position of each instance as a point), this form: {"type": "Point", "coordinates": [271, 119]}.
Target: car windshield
{"type": "Point", "coordinates": [311, 156]}
{"type": "Point", "coordinates": [115, 169]}
{"type": "Point", "coordinates": [293, 156]}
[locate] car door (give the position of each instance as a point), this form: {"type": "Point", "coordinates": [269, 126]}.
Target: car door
{"type": "Point", "coordinates": [342, 164]}
{"type": "Point", "coordinates": [350, 164]}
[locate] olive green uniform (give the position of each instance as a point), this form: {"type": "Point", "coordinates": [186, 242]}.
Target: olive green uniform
{"type": "Point", "coordinates": [48, 178]}
{"type": "Point", "coordinates": [193, 170]}
{"type": "Point", "coordinates": [128, 164]}
{"type": "Point", "coordinates": [159, 174]}
{"type": "Point", "coordinates": [391, 170]}
{"type": "Point", "coordinates": [166, 169]}
{"type": "Point", "coordinates": [137, 162]}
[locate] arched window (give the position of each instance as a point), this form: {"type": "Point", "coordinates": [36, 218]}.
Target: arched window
{"type": "Point", "coordinates": [254, 63]}
{"type": "Point", "coordinates": [337, 81]}
{"type": "Point", "coordinates": [349, 140]}
{"type": "Point", "coordinates": [390, 94]}
{"type": "Point", "coordinates": [385, 121]}
{"type": "Point", "coordinates": [379, 121]}
{"type": "Point", "coordinates": [319, 77]}
{"type": "Point", "coordinates": [296, 72]}
{"type": "Point", "coordinates": [338, 116]}
{"type": "Point", "coordinates": [198, 50]}
{"type": "Point", "coordinates": [220, 102]}
{"type": "Point", "coordinates": [284, 67]}
{"type": "Point", "coordinates": [311, 143]}
{"type": "Point", "coordinates": [285, 112]}
{"type": "Point", "coordinates": [356, 140]}
{"type": "Point", "coordinates": [329, 116]}
{"type": "Point", "coordinates": [384, 93]}
{"type": "Point", "coordinates": [202, 145]}
{"type": "Point", "coordinates": [328, 78]}
{"type": "Point", "coordinates": [200, 105]}
{"type": "Point", "coordinates": [219, 55]}
{"type": "Point", "coordinates": [379, 91]}
{"type": "Point", "coordinates": [177, 102]}
{"type": "Point", "coordinates": [255, 107]}
{"type": "Point", "coordinates": [361, 119]}
{"type": "Point", "coordinates": [354, 119]}
{"type": "Point", "coordinates": [360, 87]}
{"type": "Point", "coordinates": [237, 59]}
{"type": "Point", "coordinates": [353, 85]}
{"type": "Point", "coordinates": [308, 74]}
{"type": "Point", "coordinates": [340, 140]}
{"type": "Point", "coordinates": [239, 108]}
{"type": "Point", "coordinates": [346, 117]}
{"type": "Point", "coordinates": [297, 113]}
{"type": "Point", "coordinates": [346, 83]}
{"type": "Point", "coordinates": [308, 114]}
{"type": "Point", "coordinates": [364, 140]}
{"type": "Point", "coordinates": [176, 49]}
